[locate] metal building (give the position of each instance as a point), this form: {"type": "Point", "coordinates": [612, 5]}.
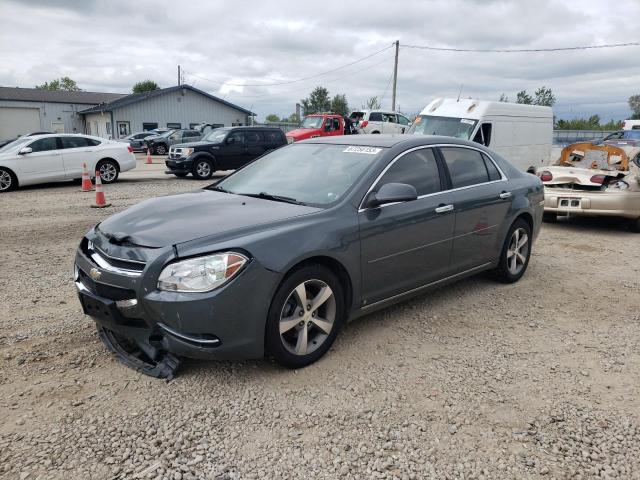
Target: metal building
{"type": "Point", "coordinates": [182, 106]}
{"type": "Point", "coordinates": [26, 110]}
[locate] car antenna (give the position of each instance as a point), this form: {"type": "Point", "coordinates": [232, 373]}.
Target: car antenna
{"type": "Point", "coordinates": [460, 92]}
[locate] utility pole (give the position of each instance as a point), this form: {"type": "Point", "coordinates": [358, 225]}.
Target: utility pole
{"type": "Point", "coordinates": [395, 77]}
{"type": "Point", "coordinates": [178, 75]}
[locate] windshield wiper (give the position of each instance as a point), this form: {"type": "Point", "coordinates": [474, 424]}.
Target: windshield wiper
{"type": "Point", "coordinates": [275, 198]}
{"type": "Point", "coordinates": [218, 189]}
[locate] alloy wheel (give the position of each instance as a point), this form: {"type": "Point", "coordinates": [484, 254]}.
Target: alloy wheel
{"type": "Point", "coordinates": [308, 317]}
{"type": "Point", "coordinates": [108, 172]}
{"type": "Point", "coordinates": [161, 150]}
{"type": "Point", "coordinates": [5, 180]}
{"type": "Point", "coordinates": [203, 169]}
{"type": "Point", "coordinates": [518, 251]}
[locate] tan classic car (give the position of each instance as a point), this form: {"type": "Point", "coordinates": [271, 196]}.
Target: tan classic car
{"type": "Point", "coordinates": [590, 179]}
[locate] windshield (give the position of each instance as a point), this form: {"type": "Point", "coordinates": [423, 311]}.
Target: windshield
{"type": "Point", "coordinates": [311, 174]}
{"type": "Point", "coordinates": [445, 126]}
{"type": "Point", "coordinates": [15, 143]}
{"type": "Point", "coordinates": [312, 122]}
{"type": "Point", "coordinates": [216, 136]}
{"type": "Point", "coordinates": [166, 134]}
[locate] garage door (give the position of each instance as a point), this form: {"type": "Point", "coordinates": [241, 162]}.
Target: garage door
{"type": "Point", "coordinates": [18, 121]}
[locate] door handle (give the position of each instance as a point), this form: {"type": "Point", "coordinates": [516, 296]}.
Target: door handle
{"type": "Point", "coordinates": [444, 208]}
{"type": "Point", "coordinates": [504, 195]}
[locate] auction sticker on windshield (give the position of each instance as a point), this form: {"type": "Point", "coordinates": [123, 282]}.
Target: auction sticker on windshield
{"type": "Point", "coordinates": [468, 122]}
{"type": "Point", "coordinates": [367, 150]}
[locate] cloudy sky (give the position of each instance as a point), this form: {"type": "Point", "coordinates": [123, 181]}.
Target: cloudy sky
{"type": "Point", "coordinates": [109, 45]}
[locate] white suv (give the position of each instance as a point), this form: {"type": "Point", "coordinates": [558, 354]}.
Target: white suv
{"type": "Point", "coordinates": [380, 121]}
{"type": "Point", "coordinates": [55, 157]}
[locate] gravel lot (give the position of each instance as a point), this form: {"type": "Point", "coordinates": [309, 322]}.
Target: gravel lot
{"type": "Point", "coordinates": [477, 380]}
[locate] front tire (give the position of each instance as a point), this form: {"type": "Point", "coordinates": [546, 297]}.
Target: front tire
{"type": "Point", "coordinates": [180, 175]}
{"type": "Point", "coordinates": [305, 316]}
{"type": "Point", "coordinates": [202, 169]}
{"type": "Point", "coordinates": [8, 180]}
{"type": "Point", "coordinates": [515, 254]}
{"type": "Point", "coordinates": [109, 171]}
{"type": "Point", "coordinates": [160, 149]}
{"type": "Point", "coordinates": [634, 225]}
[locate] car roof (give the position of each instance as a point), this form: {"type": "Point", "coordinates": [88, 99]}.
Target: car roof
{"type": "Point", "coordinates": [251, 127]}
{"type": "Point", "coordinates": [388, 141]}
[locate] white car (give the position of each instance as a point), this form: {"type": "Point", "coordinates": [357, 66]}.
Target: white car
{"type": "Point", "coordinates": [380, 121]}
{"type": "Point", "coordinates": [56, 157]}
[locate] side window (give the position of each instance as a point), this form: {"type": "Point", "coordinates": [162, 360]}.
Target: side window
{"type": "Point", "coordinates": [253, 138]}
{"type": "Point", "coordinates": [272, 137]}
{"type": "Point", "coordinates": [403, 120]}
{"type": "Point", "coordinates": [336, 124]}
{"type": "Point", "coordinates": [483, 135]}
{"type": "Point", "coordinates": [389, 117]}
{"type": "Point", "coordinates": [494, 174]}
{"type": "Point", "coordinates": [417, 168]}
{"type": "Point", "coordinates": [466, 166]}
{"type": "Point", "coordinates": [375, 117]}
{"type": "Point", "coordinates": [238, 137]}
{"type": "Point", "coordinates": [92, 143]}
{"type": "Point", "coordinates": [74, 142]}
{"type": "Point", "coordinates": [44, 144]}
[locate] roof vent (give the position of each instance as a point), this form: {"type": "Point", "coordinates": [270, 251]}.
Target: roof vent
{"type": "Point", "coordinates": [436, 103]}
{"type": "Point", "coordinates": [472, 107]}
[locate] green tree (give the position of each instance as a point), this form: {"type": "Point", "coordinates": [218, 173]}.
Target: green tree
{"type": "Point", "coordinates": [591, 123]}
{"type": "Point", "coordinates": [317, 101]}
{"type": "Point", "coordinates": [272, 117]}
{"type": "Point", "coordinates": [372, 103]}
{"type": "Point", "coordinates": [545, 97]}
{"type": "Point", "coordinates": [524, 97]}
{"type": "Point", "coordinates": [340, 105]}
{"type": "Point", "coordinates": [145, 86]}
{"type": "Point", "coordinates": [62, 83]}
{"type": "Point", "coordinates": [503, 98]}
{"type": "Point", "coordinates": [634, 104]}
{"type": "Point", "coordinates": [293, 118]}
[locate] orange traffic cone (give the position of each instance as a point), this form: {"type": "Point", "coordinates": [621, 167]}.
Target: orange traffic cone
{"type": "Point", "coordinates": [87, 186]}
{"type": "Point", "coordinates": [149, 162]}
{"type": "Point", "coordinates": [100, 200]}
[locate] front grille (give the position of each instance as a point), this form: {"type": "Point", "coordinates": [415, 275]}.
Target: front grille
{"type": "Point", "coordinates": [116, 262]}
{"type": "Point", "coordinates": [103, 290]}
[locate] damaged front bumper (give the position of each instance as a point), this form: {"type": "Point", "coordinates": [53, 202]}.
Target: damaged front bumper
{"type": "Point", "coordinates": [149, 329]}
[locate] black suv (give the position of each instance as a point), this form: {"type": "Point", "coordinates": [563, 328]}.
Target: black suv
{"type": "Point", "coordinates": [223, 149]}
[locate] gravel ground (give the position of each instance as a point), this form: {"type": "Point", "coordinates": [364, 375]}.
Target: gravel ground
{"type": "Point", "coordinates": [477, 380]}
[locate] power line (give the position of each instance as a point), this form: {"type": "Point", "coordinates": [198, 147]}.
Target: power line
{"type": "Point", "coordinates": [521, 50]}
{"type": "Point", "coordinates": [289, 82]}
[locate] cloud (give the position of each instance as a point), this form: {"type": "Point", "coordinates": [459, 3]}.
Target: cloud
{"type": "Point", "coordinates": [109, 46]}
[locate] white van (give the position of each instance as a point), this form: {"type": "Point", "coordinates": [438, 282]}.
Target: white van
{"type": "Point", "coordinates": [631, 125]}
{"type": "Point", "coordinates": [520, 133]}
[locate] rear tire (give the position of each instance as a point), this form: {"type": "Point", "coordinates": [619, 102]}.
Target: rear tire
{"type": "Point", "coordinates": [109, 171]}
{"type": "Point", "coordinates": [8, 180]}
{"type": "Point", "coordinates": [515, 254]}
{"type": "Point", "coordinates": [202, 169]}
{"type": "Point", "coordinates": [301, 330]}
{"type": "Point", "coordinates": [375, 133]}
{"type": "Point", "coordinates": [634, 225]}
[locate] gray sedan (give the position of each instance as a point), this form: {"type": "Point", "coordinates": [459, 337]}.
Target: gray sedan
{"type": "Point", "coordinates": [276, 257]}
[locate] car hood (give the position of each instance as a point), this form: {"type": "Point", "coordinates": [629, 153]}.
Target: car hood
{"type": "Point", "coordinates": [304, 133]}
{"type": "Point", "coordinates": [153, 137]}
{"type": "Point", "coordinates": [179, 218]}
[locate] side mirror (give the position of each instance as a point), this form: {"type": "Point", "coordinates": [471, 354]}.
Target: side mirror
{"type": "Point", "coordinates": [391, 193]}
{"type": "Point", "coordinates": [25, 150]}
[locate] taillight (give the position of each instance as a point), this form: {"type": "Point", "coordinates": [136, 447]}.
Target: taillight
{"type": "Point", "coordinates": [364, 123]}
{"type": "Point", "coordinates": [129, 148]}
{"type": "Point", "coordinates": [599, 179]}
{"type": "Point", "coordinates": [546, 176]}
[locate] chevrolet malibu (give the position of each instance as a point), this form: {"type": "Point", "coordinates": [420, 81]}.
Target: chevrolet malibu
{"type": "Point", "coordinates": [276, 257]}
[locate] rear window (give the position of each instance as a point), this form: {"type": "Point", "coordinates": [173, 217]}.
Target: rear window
{"type": "Point", "coordinates": [273, 136]}
{"type": "Point", "coordinates": [356, 115]}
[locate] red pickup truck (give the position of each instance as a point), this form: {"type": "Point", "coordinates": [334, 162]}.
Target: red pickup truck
{"type": "Point", "coordinates": [317, 125]}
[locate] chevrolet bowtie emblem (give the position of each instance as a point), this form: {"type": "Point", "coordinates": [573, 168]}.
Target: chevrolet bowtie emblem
{"type": "Point", "coordinates": [95, 273]}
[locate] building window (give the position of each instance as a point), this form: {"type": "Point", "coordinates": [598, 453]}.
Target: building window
{"type": "Point", "coordinates": [108, 128]}
{"type": "Point", "coordinates": [149, 126]}
{"type": "Point", "coordinates": [123, 129]}
{"type": "Point", "coordinates": [174, 125]}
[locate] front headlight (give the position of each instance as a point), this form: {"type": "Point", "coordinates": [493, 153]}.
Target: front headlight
{"type": "Point", "coordinates": [187, 151]}
{"type": "Point", "coordinates": [201, 274]}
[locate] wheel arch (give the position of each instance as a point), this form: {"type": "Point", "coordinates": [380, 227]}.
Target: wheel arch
{"type": "Point", "coordinates": [108, 158]}
{"type": "Point", "coordinates": [198, 155]}
{"type": "Point", "coordinates": [335, 266]}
